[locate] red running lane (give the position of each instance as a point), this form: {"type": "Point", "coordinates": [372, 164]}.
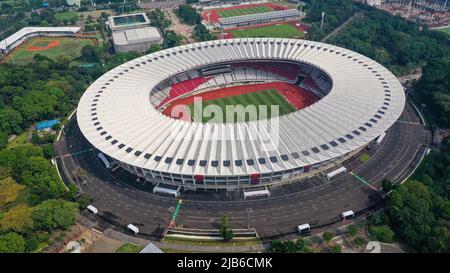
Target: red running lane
{"type": "Point", "coordinates": [296, 96]}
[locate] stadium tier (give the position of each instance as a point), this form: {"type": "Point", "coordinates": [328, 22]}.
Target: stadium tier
{"type": "Point", "coordinates": [120, 114]}
{"type": "Point", "coordinates": [8, 44]}
{"type": "Point", "coordinates": [260, 18]}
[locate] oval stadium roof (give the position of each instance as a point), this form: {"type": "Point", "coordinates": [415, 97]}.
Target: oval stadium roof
{"type": "Point", "coordinates": [116, 116]}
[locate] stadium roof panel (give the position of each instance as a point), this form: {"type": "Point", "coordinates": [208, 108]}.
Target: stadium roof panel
{"type": "Point", "coordinates": [317, 133]}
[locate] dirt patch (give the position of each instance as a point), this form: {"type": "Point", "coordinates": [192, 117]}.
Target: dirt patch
{"type": "Point", "coordinates": [43, 45]}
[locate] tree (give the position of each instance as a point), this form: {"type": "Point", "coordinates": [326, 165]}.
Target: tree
{"type": "Point", "coordinates": [327, 236]}
{"type": "Point", "coordinates": [12, 243]}
{"type": "Point", "coordinates": [10, 121]}
{"type": "Point", "coordinates": [387, 185]}
{"type": "Point", "coordinates": [188, 15]}
{"type": "Point", "coordinates": [225, 231]}
{"type": "Point", "coordinates": [172, 39]}
{"type": "Point", "coordinates": [154, 48]}
{"type": "Point", "coordinates": [91, 53]}
{"type": "Point", "coordinates": [382, 233]}
{"type": "Point", "coordinates": [17, 219]}
{"type": "Point", "coordinates": [9, 191]}
{"type": "Point", "coordinates": [53, 214]}
{"type": "Point", "coordinates": [48, 150]}
{"type": "Point", "coordinates": [3, 139]}
{"type": "Point", "coordinates": [41, 179]}
{"type": "Point", "coordinates": [201, 33]}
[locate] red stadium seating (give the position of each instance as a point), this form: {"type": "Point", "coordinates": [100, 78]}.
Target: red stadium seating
{"type": "Point", "coordinates": [184, 87]}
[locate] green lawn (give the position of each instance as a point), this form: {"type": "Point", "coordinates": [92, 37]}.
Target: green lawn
{"type": "Point", "coordinates": [70, 47]}
{"type": "Point", "coordinates": [364, 157]}
{"type": "Point", "coordinates": [129, 248]}
{"type": "Point", "coordinates": [67, 16]}
{"type": "Point", "coordinates": [260, 98]}
{"type": "Point", "coordinates": [20, 140]}
{"type": "Point", "coordinates": [445, 30]}
{"type": "Point", "coordinates": [276, 31]}
{"type": "Point", "coordinates": [243, 11]}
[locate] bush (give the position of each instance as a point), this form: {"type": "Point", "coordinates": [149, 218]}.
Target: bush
{"type": "Point", "coordinates": [382, 233]}
{"type": "Point", "coordinates": [327, 236]}
{"type": "Point", "coordinates": [359, 241]}
{"type": "Point", "coordinates": [48, 150]}
{"type": "Point", "coordinates": [336, 249]}
{"type": "Point", "coordinates": [351, 231]}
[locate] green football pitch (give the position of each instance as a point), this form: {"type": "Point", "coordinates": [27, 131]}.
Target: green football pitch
{"type": "Point", "coordinates": [445, 30]}
{"type": "Point", "coordinates": [243, 11]}
{"type": "Point", "coordinates": [69, 47]}
{"type": "Point", "coordinates": [260, 98]}
{"type": "Point", "coordinates": [276, 31]}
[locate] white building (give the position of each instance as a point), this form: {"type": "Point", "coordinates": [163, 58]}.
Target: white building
{"type": "Point", "coordinates": [132, 32]}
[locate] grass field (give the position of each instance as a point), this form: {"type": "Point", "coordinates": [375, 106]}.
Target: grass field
{"type": "Point", "coordinates": [445, 30]}
{"type": "Point", "coordinates": [266, 97]}
{"type": "Point", "coordinates": [20, 140]}
{"type": "Point", "coordinates": [67, 16]}
{"type": "Point", "coordinates": [277, 31]}
{"type": "Point", "coordinates": [129, 248]}
{"type": "Point", "coordinates": [364, 157]}
{"type": "Point", "coordinates": [243, 11]}
{"type": "Point", "coordinates": [70, 47]}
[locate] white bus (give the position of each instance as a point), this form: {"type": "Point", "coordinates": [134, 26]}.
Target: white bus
{"type": "Point", "coordinates": [305, 228]}
{"type": "Point", "coordinates": [334, 173]}
{"type": "Point", "coordinates": [107, 163]}
{"type": "Point", "coordinates": [380, 139]}
{"type": "Point", "coordinates": [133, 228]}
{"type": "Point", "coordinates": [347, 214]}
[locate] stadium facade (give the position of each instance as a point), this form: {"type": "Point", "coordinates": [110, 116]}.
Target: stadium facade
{"type": "Point", "coordinates": [120, 114]}
{"type": "Point", "coordinates": [16, 39]}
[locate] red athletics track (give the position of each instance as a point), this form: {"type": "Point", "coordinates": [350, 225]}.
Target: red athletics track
{"type": "Point", "coordinates": [296, 96]}
{"type": "Point", "coordinates": [215, 15]}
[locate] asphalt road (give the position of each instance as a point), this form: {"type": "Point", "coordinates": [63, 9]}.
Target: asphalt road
{"type": "Point", "coordinates": [122, 200]}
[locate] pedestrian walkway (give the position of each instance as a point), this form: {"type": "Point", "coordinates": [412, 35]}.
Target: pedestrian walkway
{"type": "Point", "coordinates": [226, 249]}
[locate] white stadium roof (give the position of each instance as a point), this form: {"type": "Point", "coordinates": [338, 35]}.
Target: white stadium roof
{"type": "Point", "coordinates": [31, 30]}
{"type": "Point", "coordinates": [116, 116]}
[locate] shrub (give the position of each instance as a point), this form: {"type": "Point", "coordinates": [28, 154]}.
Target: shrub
{"type": "Point", "coordinates": [351, 231]}
{"type": "Point", "coordinates": [382, 233]}
{"type": "Point", "coordinates": [327, 236]}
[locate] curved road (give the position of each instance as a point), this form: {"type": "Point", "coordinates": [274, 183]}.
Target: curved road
{"type": "Point", "coordinates": [122, 200]}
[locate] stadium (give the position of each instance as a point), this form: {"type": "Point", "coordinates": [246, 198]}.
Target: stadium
{"type": "Point", "coordinates": [13, 41]}
{"type": "Point", "coordinates": [333, 102]}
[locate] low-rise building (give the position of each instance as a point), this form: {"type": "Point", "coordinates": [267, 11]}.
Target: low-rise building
{"type": "Point", "coordinates": [132, 32]}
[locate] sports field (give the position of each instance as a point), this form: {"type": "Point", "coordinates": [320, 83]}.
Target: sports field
{"type": "Point", "coordinates": [445, 30]}
{"type": "Point", "coordinates": [50, 47]}
{"type": "Point", "coordinates": [260, 98]}
{"type": "Point", "coordinates": [243, 11]}
{"type": "Point", "coordinates": [277, 31]}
